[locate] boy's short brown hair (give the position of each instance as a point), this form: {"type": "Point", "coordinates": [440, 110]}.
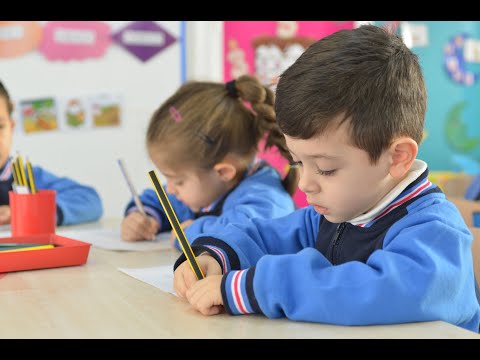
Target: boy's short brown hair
{"type": "Point", "coordinates": [367, 76]}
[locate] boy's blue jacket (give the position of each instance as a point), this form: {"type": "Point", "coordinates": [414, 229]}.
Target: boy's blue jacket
{"type": "Point", "coordinates": [412, 264]}
{"type": "Point", "coordinates": [258, 195]}
{"type": "Point", "coordinates": [76, 203]}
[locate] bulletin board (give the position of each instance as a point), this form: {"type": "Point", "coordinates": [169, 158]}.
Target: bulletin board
{"type": "Point", "coordinates": [84, 93]}
{"type": "Point", "coordinates": [266, 49]}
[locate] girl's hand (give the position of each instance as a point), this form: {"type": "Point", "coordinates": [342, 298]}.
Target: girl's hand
{"type": "Point", "coordinates": [137, 227]}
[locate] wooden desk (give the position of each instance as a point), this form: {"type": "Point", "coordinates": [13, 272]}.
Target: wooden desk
{"type": "Point", "coordinates": [96, 300]}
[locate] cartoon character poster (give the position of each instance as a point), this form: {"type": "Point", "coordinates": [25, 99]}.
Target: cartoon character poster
{"type": "Point", "coordinates": [265, 49]}
{"type": "Point", "coordinates": [39, 115]}
{"type": "Point", "coordinates": [106, 110]}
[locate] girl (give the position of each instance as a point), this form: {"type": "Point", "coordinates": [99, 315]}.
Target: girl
{"type": "Point", "coordinates": [204, 140]}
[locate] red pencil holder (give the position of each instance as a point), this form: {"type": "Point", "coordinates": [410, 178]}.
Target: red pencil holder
{"type": "Point", "coordinates": [33, 214]}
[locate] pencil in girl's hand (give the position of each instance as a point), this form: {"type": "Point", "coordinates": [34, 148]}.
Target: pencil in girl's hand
{"type": "Point", "coordinates": [136, 199]}
{"type": "Point", "coordinates": [172, 217]}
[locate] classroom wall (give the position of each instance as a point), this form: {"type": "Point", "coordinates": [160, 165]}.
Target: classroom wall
{"type": "Point", "coordinates": [205, 50]}
{"type": "Point", "coordinates": [90, 155]}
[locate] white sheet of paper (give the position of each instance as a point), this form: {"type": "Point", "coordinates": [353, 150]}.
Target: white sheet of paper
{"type": "Point", "coordinates": [159, 276]}
{"type": "Point", "coordinates": [111, 239]}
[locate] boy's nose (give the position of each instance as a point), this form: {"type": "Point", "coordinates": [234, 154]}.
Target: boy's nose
{"type": "Point", "coordinates": [307, 183]}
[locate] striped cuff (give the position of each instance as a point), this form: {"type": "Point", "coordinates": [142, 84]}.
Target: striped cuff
{"type": "Point", "coordinates": [221, 257]}
{"type": "Point", "coordinates": [221, 251]}
{"type": "Point", "coordinates": [237, 292]}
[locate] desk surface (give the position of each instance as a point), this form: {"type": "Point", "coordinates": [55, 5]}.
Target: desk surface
{"type": "Point", "coordinates": [96, 300]}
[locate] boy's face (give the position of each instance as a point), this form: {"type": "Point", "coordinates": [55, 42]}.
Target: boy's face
{"type": "Point", "coordinates": [6, 131]}
{"type": "Point", "coordinates": [195, 188]}
{"type": "Point", "coordinates": [338, 178]}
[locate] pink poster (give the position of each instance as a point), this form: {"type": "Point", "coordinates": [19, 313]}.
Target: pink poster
{"type": "Point", "coordinates": [75, 40]}
{"type": "Point", "coordinates": [266, 49]}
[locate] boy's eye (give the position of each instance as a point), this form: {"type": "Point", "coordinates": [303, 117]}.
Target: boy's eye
{"type": "Point", "coordinates": [326, 172]}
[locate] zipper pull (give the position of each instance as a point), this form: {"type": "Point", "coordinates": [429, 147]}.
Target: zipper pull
{"type": "Point", "coordinates": [340, 229]}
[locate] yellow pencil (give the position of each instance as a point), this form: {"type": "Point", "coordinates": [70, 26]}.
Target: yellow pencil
{"type": "Point", "coordinates": [14, 172]}
{"type": "Point", "coordinates": [39, 247]}
{"type": "Point", "coordinates": [15, 168]}
{"type": "Point", "coordinates": [172, 218]}
{"type": "Point", "coordinates": [22, 169]}
{"type": "Point", "coordinates": [31, 180]}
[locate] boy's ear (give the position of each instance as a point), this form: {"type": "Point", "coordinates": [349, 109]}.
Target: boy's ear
{"type": "Point", "coordinates": [403, 152]}
{"type": "Point", "coordinates": [226, 171]}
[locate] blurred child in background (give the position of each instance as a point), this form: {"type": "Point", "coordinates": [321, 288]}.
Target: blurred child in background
{"type": "Point", "coordinates": [204, 140]}
{"type": "Point", "coordinates": [76, 203]}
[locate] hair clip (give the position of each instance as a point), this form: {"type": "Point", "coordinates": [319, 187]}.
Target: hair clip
{"type": "Point", "coordinates": [231, 87]}
{"type": "Point", "coordinates": [175, 114]}
{"type": "Point", "coordinates": [205, 138]}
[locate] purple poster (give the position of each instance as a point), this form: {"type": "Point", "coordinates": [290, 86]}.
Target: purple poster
{"type": "Point", "coordinates": [143, 39]}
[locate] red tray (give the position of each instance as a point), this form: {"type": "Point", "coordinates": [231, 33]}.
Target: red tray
{"type": "Point", "coordinates": [67, 252]}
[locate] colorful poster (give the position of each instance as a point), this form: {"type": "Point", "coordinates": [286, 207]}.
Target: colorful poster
{"type": "Point", "coordinates": [74, 113]}
{"type": "Point", "coordinates": [106, 110]}
{"type": "Point", "coordinates": [39, 115]}
{"type": "Point", "coordinates": [143, 39]}
{"type": "Point", "coordinates": [19, 37]}
{"type": "Point", "coordinates": [455, 62]}
{"type": "Point", "coordinates": [75, 40]}
{"type": "Point", "coordinates": [266, 49]}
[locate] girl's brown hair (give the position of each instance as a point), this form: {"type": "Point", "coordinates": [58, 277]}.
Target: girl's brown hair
{"type": "Point", "coordinates": [204, 121]}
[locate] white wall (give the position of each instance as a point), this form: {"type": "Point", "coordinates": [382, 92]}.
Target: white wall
{"type": "Point", "coordinates": [89, 156]}
{"type": "Point", "coordinates": [205, 50]}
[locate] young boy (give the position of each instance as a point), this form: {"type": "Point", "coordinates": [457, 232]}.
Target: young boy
{"type": "Point", "coordinates": [380, 243]}
{"type": "Point", "coordinates": [76, 203]}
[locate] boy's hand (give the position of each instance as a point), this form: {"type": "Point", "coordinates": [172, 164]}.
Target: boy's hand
{"type": "Point", "coordinates": [173, 236]}
{"type": "Point", "coordinates": [137, 227]}
{"type": "Point", "coordinates": [4, 214]}
{"type": "Point", "coordinates": [184, 278]}
{"type": "Point", "coordinates": [205, 295]}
